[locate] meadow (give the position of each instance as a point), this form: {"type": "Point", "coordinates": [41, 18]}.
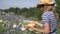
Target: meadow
{"type": "Point", "coordinates": [11, 23]}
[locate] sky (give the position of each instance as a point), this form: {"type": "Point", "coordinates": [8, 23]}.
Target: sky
{"type": "Point", "coordinates": [5, 4]}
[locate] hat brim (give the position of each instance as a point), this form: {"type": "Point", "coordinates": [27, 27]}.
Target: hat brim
{"type": "Point", "coordinates": [40, 5]}
{"type": "Point", "coordinates": [45, 4]}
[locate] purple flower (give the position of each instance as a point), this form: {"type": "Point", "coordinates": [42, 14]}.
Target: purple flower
{"type": "Point", "coordinates": [13, 16]}
{"type": "Point", "coordinates": [5, 33]}
{"type": "Point", "coordinates": [10, 24]}
{"type": "Point", "coordinates": [8, 19]}
{"type": "Point", "coordinates": [17, 21]}
{"type": "Point", "coordinates": [0, 32]}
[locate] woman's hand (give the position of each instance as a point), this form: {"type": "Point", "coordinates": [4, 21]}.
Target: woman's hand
{"type": "Point", "coordinates": [34, 29]}
{"type": "Point", "coordinates": [37, 23]}
{"type": "Point", "coordinates": [34, 23]}
{"type": "Point", "coordinates": [30, 24]}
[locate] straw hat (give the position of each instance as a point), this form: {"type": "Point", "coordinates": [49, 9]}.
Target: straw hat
{"type": "Point", "coordinates": [45, 2]}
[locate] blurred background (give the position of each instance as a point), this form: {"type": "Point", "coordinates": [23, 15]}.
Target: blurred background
{"type": "Point", "coordinates": [15, 13]}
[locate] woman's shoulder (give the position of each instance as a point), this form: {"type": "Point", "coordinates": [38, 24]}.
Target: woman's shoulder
{"type": "Point", "coordinates": [48, 12]}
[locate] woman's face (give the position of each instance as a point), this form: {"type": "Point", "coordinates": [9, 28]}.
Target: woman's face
{"type": "Point", "coordinates": [44, 8]}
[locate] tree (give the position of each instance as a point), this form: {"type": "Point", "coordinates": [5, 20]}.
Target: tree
{"type": "Point", "coordinates": [58, 6]}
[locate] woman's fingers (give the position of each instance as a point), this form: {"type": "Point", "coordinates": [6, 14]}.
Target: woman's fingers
{"type": "Point", "coordinates": [33, 28]}
{"type": "Point", "coordinates": [34, 22]}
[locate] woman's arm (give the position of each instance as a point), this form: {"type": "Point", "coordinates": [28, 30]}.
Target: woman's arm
{"type": "Point", "coordinates": [37, 23]}
{"type": "Point", "coordinates": [45, 30]}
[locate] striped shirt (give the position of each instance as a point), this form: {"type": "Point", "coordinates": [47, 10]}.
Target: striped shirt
{"type": "Point", "coordinates": [50, 18]}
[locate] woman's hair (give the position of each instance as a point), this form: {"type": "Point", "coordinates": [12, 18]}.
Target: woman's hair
{"type": "Point", "coordinates": [52, 8]}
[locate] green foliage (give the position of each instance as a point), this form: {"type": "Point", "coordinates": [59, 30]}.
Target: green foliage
{"type": "Point", "coordinates": [58, 7]}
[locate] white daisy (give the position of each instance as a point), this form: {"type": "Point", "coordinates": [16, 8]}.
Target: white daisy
{"type": "Point", "coordinates": [1, 20]}
{"type": "Point", "coordinates": [14, 26]}
{"type": "Point", "coordinates": [23, 28]}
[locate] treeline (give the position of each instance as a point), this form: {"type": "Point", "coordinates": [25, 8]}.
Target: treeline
{"type": "Point", "coordinates": [58, 7]}
{"type": "Point", "coordinates": [27, 12]}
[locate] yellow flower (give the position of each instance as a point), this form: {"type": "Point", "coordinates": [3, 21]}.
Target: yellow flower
{"type": "Point", "coordinates": [22, 28]}
{"type": "Point", "coordinates": [1, 21]}
{"type": "Point", "coordinates": [14, 25]}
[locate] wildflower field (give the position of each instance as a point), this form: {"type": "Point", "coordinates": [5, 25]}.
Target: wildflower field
{"type": "Point", "coordinates": [15, 24]}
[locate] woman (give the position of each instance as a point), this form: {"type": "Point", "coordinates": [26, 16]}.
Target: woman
{"type": "Point", "coordinates": [49, 21]}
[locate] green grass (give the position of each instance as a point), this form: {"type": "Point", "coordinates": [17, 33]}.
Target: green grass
{"type": "Point", "coordinates": [59, 27]}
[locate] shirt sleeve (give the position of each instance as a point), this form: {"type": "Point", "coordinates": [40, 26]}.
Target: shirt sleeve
{"type": "Point", "coordinates": [45, 18]}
